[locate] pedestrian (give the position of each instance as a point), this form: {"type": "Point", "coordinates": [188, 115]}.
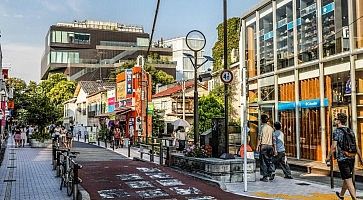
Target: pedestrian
{"type": "Point", "coordinates": [264, 146]}
{"type": "Point", "coordinates": [17, 136]}
{"type": "Point", "coordinates": [23, 136]}
{"type": "Point", "coordinates": [345, 148]}
{"type": "Point", "coordinates": [181, 137]}
{"type": "Point", "coordinates": [280, 158]}
{"type": "Point", "coordinates": [117, 136]}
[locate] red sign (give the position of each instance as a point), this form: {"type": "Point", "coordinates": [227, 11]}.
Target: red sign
{"type": "Point", "coordinates": [5, 73]}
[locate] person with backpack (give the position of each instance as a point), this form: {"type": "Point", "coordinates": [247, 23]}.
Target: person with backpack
{"type": "Point", "coordinates": [345, 148]}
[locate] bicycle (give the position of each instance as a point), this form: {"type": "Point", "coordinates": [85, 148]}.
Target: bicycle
{"type": "Point", "coordinates": [73, 179]}
{"type": "Point", "coordinates": [65, 169]}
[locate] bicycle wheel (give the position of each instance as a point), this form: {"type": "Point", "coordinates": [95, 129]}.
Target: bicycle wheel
{"type": "Point", "coordinates": [61, 177]}
{"type": "Point", "coordinates": [70, 186]}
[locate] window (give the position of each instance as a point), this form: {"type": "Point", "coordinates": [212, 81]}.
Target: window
{"type": "Point", "coordinates": [64, 57]}
{"type": "Point", "coordinates": [266, 43]}
{"type": "Point", "coordinates": [70, 37]}
{"type": "Point", "coordinates": [267, 93]}
{"type": "Point", "coordinates": [251, 48]}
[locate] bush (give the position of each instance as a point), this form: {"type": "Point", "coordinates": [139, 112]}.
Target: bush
{"type": "Point", "coordinates": [198, 152]}
{"type": "Point", "coordinates": [41, 136]}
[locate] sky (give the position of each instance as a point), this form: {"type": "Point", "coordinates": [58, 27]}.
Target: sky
{"type": "Point", "coordinates": [24, 23]}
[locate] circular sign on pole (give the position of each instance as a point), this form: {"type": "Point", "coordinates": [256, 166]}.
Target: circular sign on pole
{"type": "Point", "coordinates": [195, 40]}
{"type": "Point", "coordinates": [227, 76]}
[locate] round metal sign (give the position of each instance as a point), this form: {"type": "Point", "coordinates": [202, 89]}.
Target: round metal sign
{"type": "Point", "coordinates": [226, 76]}
{"type": "Point", "coordinates": [195, 40]}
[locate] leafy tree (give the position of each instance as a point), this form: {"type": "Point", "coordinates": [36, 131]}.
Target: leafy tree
{"type": "Point", "coordinates": [210, 106]}
{"type": "Point", "coordinates": [16, 83]}
{"type": "Point", "coordinates": [61, 92]}
{"type": "Point", "coordinates": [158, 77]}
{"type": "Point", "coordinates": [218, 91]}
{"type": "Point", "coordinates": [158, 122]}
{"type": "Point", "coordinates": [232, 39]}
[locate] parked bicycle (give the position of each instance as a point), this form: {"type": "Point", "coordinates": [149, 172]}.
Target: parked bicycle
{"type": "Point", "coordinates": [67, 170]}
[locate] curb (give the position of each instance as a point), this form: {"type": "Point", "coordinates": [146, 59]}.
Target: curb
{"type": "Point", "coordinates": [82, 193]}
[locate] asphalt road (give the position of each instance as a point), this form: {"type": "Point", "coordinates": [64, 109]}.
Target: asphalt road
{"type": "Point", "coordinates": [107, 175]}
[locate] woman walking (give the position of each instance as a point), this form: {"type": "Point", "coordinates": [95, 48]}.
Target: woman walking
{"type": "Point", "coordinates": [117, 136]}
{"type": "Point", "coordinates": [23, 137]}
{"type": "Point", "coordinates": [17, 137]}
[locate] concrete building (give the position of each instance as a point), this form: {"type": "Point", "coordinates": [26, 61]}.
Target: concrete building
{"type": "Point", "coordinates": [184, 68]}
{"type": "Point", "coordinates": [91, 50]}
{"type": "Point", "coordinates": [305, 64]}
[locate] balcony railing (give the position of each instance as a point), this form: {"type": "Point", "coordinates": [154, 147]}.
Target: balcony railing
{"type": "Point", "coordinates": [179, 109]}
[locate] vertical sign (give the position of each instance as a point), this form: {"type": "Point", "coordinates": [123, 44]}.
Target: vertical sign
{"type": "Point", "coordinates": [111, 100]}
{"type": "Point", "coordinates": [129, 89]}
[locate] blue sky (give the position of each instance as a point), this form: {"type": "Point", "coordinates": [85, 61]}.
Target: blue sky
{"type": "Point", "coordinates": [24, 23]}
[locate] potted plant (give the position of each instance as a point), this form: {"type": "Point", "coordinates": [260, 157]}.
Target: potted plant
{"type": "Point", "coordinates": [41, 139]}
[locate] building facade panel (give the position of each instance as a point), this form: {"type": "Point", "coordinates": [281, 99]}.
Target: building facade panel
{"type": "Point", "coordinates": [320, 55]}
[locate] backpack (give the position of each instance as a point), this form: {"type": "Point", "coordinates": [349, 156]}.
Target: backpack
{"type": "Point", "coordinates": [349, 145]}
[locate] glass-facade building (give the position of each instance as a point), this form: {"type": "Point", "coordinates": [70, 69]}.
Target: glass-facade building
{"type": "Point", "coordinates": [304, 61]}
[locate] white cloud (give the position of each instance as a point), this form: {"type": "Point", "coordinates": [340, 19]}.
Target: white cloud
{"type": "Point", "coordinates": [24, 60]}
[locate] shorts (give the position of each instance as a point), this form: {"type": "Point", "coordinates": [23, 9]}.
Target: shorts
{"type": "Point", "coordinates": [346, 168]}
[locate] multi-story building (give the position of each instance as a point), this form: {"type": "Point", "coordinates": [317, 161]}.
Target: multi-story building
{"type": "Point", "coordinates": [90, 50]}
{"type": "Point", "coordinates": [184, 68]}
{"type": "Point", "coordinates": [305, 64]}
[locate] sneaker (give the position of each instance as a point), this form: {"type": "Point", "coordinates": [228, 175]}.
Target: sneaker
{"type": "Point", "coordinates": [338, 195]}
{"type": "Point", "coordinates": [264, 179]}
{"type": "Point", "coordinates": [288, 177]}
{"type": "Point", "coordinates": [272, 177]}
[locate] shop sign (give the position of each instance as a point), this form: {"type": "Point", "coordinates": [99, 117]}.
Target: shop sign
{"type": "Point", "coordinates": [121, 90]}
{"type": "Point", "coordinates": [150, 108]}
{"type": "Point", "coordinates": [129, 89]}
{"type": "Point", "coordinates": [286, 106]}
{"type": "Point", "coordinates": [125, 103]}
{"type": "Point", "coordinates": [348, 87]}
{"type": "Point", "coordinates": [312, 103]}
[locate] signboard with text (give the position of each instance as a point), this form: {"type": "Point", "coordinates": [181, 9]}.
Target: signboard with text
{"type": "Point", "coordinates": [129, 88]}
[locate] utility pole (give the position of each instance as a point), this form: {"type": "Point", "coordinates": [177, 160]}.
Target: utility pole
{"type": "Point", "coordinates": [183, 90]}
{"type": "Point", "coordinates": [225, 68]}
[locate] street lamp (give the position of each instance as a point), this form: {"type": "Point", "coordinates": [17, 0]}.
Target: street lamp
{"type": "Point", "coordinates": [196, 42]}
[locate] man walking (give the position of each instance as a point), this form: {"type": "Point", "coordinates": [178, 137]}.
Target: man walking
{"type": "Point", "coordinates": [279, 158]}
{"type": "Point", "coordinates": [264, 146]}
{"type": "Point", "coordinates": [345, 146]}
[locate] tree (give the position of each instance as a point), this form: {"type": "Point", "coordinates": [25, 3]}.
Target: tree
{"type": "Point", "coordinates": [158, 77]}
{"type": "Point", "coordinates": [210, 106]}
{"type": "Point", "coordinates": [158, 122]}
{"type": "Point", "coordinates": [233, 41]}
{"type": "Point", "coordinates": [61, 92]}
{"type": "Point", "coordinates": [218, 92]}
{"type": "Point", "coordinates": [16, 83]}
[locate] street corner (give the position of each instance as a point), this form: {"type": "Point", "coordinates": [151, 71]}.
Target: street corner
{"type": "Point", "coordinates": [139, 180]}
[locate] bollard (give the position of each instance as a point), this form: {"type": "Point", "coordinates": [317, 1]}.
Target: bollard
{"type": "Point", "coordinates": [167, 159]}
{"type": "Point", "coordinates": [79, 137]}
{"type": "Point", "coordinates": [152, 151]}
{"type": "Point", "coordinates": [161, 153]}
{"type": "Point", "coordinates": [128, 150]}
{"type": "Point", "coordinates": [98, 141]}
{"type": "Point", "coordinates": [105, 143]}
{"type": "Point", "coordinates": [85, 137]}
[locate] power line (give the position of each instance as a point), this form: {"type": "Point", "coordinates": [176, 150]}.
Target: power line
{"type": "Point", "coordinates": [153, 28]}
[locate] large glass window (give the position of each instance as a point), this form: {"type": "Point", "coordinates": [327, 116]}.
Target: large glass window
{"type": "Point", "coordinates": [307, 30]}
{"type": "Point", "coordinates": [70, 37]}
{"type": "Point", "coordinates": [284, 32]}
{"type": "Point", "coordinates": [251, 46]}
{"type": "Point", "coordinates": [335, 27]}
{"type": "Point", "coordinates": [64, 57]}
{"type": "Point", "coordinates": [267, 93]}
{"type": "Point", "coordinates": [358, 23]}
{"type": "Point", "coordinates": [266, 43]}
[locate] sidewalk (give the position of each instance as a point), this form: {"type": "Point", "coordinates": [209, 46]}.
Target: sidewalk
{"type": "Point", "coordinates": [26, 173]}
{"type": "Point", "coordinates": [296, 189]}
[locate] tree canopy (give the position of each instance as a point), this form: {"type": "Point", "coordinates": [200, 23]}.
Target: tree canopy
{"type": "Point", "coordinates": [41, 104]}
{"type": "Point", "coordinates": [210, 106]}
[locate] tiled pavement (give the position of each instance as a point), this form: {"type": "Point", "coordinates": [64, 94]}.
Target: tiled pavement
{"type": "Point", "coordinates": [32, 176]}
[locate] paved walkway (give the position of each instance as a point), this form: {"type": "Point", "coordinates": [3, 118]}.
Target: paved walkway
{"type": "Point", "coordinates": [26, 173]}
{"type": "Point", "coordinates": [304, 186]}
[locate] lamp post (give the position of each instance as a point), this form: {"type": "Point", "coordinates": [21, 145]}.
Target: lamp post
{"type": "Point", "coordinates": [196, 41]}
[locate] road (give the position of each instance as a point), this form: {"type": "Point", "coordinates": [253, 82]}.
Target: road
{"type": "Point", "coordinates": [108, 175]}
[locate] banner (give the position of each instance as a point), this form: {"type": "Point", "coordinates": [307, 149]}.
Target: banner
{"type": "Point", "coordinates": [129, 88]}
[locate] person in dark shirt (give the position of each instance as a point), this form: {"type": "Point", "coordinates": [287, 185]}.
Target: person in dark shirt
{"type": "Point", "coordinates": [345, 161]}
